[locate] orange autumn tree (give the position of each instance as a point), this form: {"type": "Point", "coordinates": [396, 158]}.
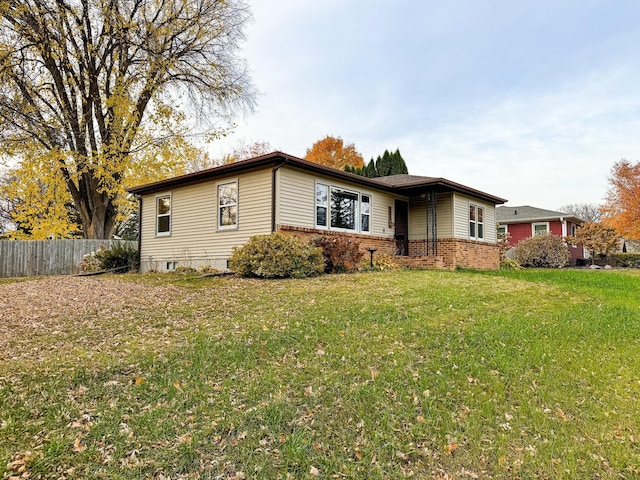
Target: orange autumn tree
{"type": "Point", "coordinates": [622, 204]}
{"type": "Point", "coordinates": [332, 152]}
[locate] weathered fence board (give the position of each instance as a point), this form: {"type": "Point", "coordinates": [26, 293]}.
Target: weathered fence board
{"type": "Point", "coordinates": [32, 258]}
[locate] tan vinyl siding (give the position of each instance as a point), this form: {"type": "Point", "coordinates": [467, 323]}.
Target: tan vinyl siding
{"type": "Point", "coordinates": [418, 217]}
{"type": "Point", "coordinates": [380, 213]}
{"type": "Point", "coordinates": [297, 200]}
{"type": "Point", "coordinates": [461, 217]}
{"type": "Point", "coordinates": [195, 239]}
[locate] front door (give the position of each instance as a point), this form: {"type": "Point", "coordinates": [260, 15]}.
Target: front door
{"type": "Point", "coordinates": [402, 227]}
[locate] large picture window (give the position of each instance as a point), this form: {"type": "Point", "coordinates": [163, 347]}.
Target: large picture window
{"type": "Point", "coordinates": [476, 222]}
{"type": "Point", "coordinates": [163, 215]}
{"type": "Point", "coordinates": [344, 209]}
{"type": "Point", "coordinates": [228, 205]}
{"type": "Point", "coordinates": [341, 209]}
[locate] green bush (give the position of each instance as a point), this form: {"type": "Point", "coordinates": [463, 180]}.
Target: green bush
{"type": "Point", "coordinates": [341, 253]}
{"type": "Point", "coordinates": [508, 264]}
{"type": "Point", "coordinates": [276, 256]}
{"type": "Point", "coordinates": [118, 256]}
{"type": "Point", "coordinates": [547, 251]}
{"type": "Point", "coordinates": [627, 259]}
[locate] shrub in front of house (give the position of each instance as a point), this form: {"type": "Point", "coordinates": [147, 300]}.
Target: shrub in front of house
{"type": "Point", "coordinates": [627, 259]}
{"type": "Point", "coordinates": [508, 264]}
{"type": "Point", "coordinates": [117, 256]}
{"type": "Point", "coordinates": [276, 256]}
{"type": "Point", "coordinates": [542, 251]}
{"type": "Point", "coordinates": [341, 253]}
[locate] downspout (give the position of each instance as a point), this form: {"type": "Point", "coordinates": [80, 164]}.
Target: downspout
{"type": "Point", "coordinates": [139, 232]}
{"type": "Point", "coordinates": [273, 195]}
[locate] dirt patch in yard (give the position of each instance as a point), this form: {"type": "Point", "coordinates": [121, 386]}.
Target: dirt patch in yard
{"type": "Point", "coordinates": [83, 316]}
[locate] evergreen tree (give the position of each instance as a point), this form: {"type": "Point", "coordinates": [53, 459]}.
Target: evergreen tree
{"type": "Point", "coordinates": [382, 166]}
{"type": "Point", "coordinates": [398, 166]}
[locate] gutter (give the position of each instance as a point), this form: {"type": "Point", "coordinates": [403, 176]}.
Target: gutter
{"type": "Point", "coordinates": [273, 195]}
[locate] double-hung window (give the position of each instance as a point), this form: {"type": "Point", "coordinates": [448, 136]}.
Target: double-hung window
{"type": "Point", "coordinates": [476, 222]}
{"type": "Point", "coordinates": [365, 213]}
{"type": "Point", "coordinates": [163, 215]}
{"type": "Point", "coordinates": [322, 204]}
{"type": "Point", "coordinates": [228, 205]}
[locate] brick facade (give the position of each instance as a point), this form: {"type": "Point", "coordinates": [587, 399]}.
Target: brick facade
{"type": "Point", "coordinates": [452, 252]}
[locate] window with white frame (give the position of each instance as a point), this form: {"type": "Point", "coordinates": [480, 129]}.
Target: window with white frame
{"type": "Point", "coordinates": [476, 222]}
{"type": "Point", "coordinates": [322, 204]}
{"type": "Point", "coordinates": [163, 215]}
{"type": "Point", "coordinates": [228, 205]}
{"type": "Point", "coordinates": [365, 213]}
{"type": "Point", "coordinates": [341, 209]}
{"type": "Point", "coordinates": [344, 209]}
{"type": "Point", "coordinates": [539, 228]}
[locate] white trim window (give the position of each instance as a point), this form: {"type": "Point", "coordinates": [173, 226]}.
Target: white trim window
{"type": "Point", "coordinates": [342, 209]}
{"type": "Point", "coordinates": [502, 231]}
{"type": "Point", "coordinates": [228, 205]}
{"type": "Point", "coordinates": [322, 205]}
{"type": "Point", "coordinates": [163, 215]}
{"type": "Point", "coordinates": [365, 213]}
{"type": "Point", "coordinates": [476, 222]}
{"type": "Point", "coordinates": [540, 228]}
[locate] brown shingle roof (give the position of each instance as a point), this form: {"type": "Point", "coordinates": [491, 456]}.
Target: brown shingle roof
{"type": "Point", "coordinates": [401, 184]}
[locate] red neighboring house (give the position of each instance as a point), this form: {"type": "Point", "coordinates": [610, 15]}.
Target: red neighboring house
{"type": "Point", "coordinates": [524, 222]}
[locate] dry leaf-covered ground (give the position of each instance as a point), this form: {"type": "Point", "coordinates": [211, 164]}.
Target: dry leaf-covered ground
{"type": "Point", "coordinates": [62, 315]}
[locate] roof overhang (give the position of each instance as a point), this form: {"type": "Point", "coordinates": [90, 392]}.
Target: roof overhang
{"type": "Point", "coordinates": [277, 159]}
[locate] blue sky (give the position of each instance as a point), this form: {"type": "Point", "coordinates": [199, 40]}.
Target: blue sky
{"type": "Point", "coordinates": [532, 101]}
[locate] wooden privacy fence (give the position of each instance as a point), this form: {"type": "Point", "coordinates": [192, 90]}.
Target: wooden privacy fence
{"type": "Point", "coordinates": [30, 258]}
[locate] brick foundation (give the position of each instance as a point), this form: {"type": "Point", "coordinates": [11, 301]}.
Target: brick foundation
{"type": "Point", "coordinates": [452, 252]}
{"type": "Point", "coordinates": [384, 245]}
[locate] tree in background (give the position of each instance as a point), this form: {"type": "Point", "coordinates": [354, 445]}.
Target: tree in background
{"type": "Point", "coordinates": [589, 212]}
{"type": "Point", "coordinates": [244, 151]}
{"type": "Point", "coordinates": [332, 152]}
{"type": "Point", "coordinates": [383, 166]}
{"type": "Point", "coordinates": [36, 203]}
{"type": "Point", "coordinates": [597, 238]}
{"type": "Point", "coordinates": [622, 204]}
{"type": "Point", "coordinates": [92, 84]}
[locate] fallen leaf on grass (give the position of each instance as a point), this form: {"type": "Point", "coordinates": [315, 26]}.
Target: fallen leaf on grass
{"type": "Point", "coordinates": [78, 446]}
{"type": "Point", "coordinates": [452, 447]}
{"type": "Point", "coordinates": [314, 471]}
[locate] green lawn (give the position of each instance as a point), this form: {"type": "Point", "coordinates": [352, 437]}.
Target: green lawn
{"type": "Point", "coordinates": [409, 374]}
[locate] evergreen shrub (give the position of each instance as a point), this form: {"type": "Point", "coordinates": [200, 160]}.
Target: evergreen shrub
{"type": "Point", "coordinates": [107, 258]}
{"type": "Point", "coordinates": [627, 259]}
